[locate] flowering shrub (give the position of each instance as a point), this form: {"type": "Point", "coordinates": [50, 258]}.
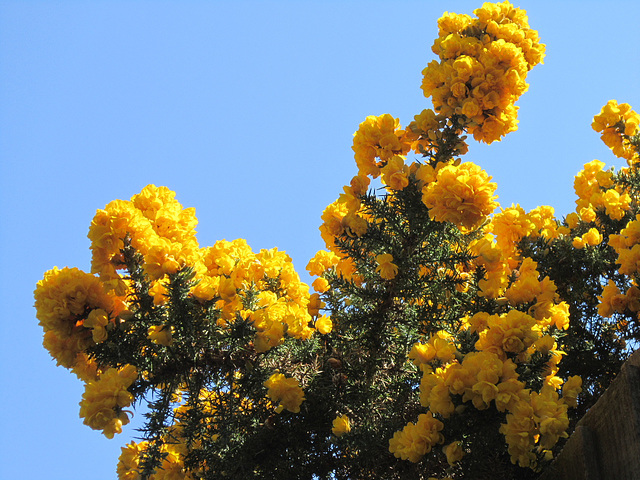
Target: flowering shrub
{"type": "Point", "coordinates": [447, 336]}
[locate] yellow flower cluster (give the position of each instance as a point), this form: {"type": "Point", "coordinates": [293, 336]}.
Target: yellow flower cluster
{"type": "Point", "coordinates": [512, 224]}
{"type": "Point", "coordinates": [511, 333]}
{"type": "Point", "coordinates": [395, 174]}
{"type": "Point", "coordinates": [159, 229]}
{"type": "Point", "coordinates": [78, 310]}
{"type": "Point", "coordinates": [104, 399]}
{"type": "Point", "coordinates": [416, 440]}
{"type": "Point", "coordinates": [211, 406]}
{"type": "Point", "coordinates": [171, 468]}
{"type": "Point", "coordinates": [344, 216]}
{"type": "Point", "coordinates": [321, 262]}
{"type": "Point", "coordinates": [453, 192]}
{"type": "Point", "coordinates": [440, 346]}
{"type": "Point", "coordinates": [481, 72]}
{"type": "Point", "coordinates": [164, 233]}
{"type": "Point", "coordinates": [240, 279]}
{"type": "Point", "coordinates": [483, 67]}
{"type": "Point", "coordinates": [545, 305]}
{"type": "Point", "coordinates": [74, 311]}
{"type": "Point", "coordinates": [285, 391]}
{"type": "Point", "coordinates": [461, 194]}
{"type": "Point", "coordinates": [497, 251]}
{"type": "Point", "coordinates": [378, 137]}
{"type": "Point", "coordinates": [488, 377]}
{"type": "Point", "coordinates": [627, 246]}
{"type": "Point", "coordinates": [339, 218]}
{"type": "Point", "coordinates": [613, 300]}
{"type": "Point", "coordinates": [537, 418]}
{"type": "Point", "coordinates": [426, 133]}
{"type": "Point", "coordinates": [598, 194]}
{"type": "Point", "coordinates": [490, 257]}
{"type": "Point", "coordinates": [592, 238]}
{"type": "Point", "coordinates": [618, 122]}
{"type": "Point", "coordinates": [129, 461]}
{"type": "Point", "coordinates": [596, 191]}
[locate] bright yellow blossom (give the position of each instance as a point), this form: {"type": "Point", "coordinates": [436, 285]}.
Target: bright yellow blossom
{"type": "Point", "coordinates": [378, 137]}
{"type": "Point", "coordinates": [285, 391]}
{"type": "Point", "coordinates": [618, 122]}
{"type": "Point", "coordinates": [160, 334]}
{"type": "Point", "coordinates": [462, 195]}
{"type": "Point", "coordinates": [324, 324]}
{"type": "Point", "coordinates": [341, 425]}
{"type": "Point", "coordinates": [386, 268]}
{"type": "Point", "coordinates": [104, 399]}
{"type": "Point", "coordinates": [416, 440]}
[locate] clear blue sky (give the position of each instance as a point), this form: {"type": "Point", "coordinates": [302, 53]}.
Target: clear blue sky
{"type": "Point", "coordinates": [246, 110]}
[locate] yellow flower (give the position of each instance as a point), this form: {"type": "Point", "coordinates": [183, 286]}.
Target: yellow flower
{"type": "Point", "coordinates": [434, 393]}
{"type": "Point", "coordinates": [616, 205]}
{"type": "Point", "coordinates": [422, 353]}
{"type": "Point", "coordinates": [519, 433]}
{"type": "Point", "coordinates": [320, 285]}
{"type": "Point", "coordinates": [478, 322]}
{"type": "Point", "coordinates": [97, 320]}
{"type": "Point", "coordinates": [457, 378]}
{"type": "Point", "coordinates": [395, 174]}
{"type": "Point", "coordinates": [510, 333]}
{"type": "Point", "coordinates": [129, 460]}
{"type": "Point", "coordinates": [592, 237]}
{"type": "Point", "coordinates": [321, 262]}
{"type": "Point", "coordinates": [510, 226]}
{"type": "Point", "coordinates": [612, 300]}
{"type": "Point", "coordinates": [355, 224]}
{"type": "Point", "coordinates": [332, 223]}
{"type": "Point", "coordinates": [386, 268]}
{"type": "Point", "coordinates": [509, 392]}
{"type": "Point", "coordinates": [550, 413]}
{"type": "Point", "coordinates": [324, 324]}
{"type": "Point", "coordinates": [160, 335]}
{"type": "Point", "coordinates": [227, 289]}
{"type": "Point", "coordinates": [205, 290]}
{"type": "Point", "coordinates": [454, 452]}
{"type": "Point", "coordinates": [315, 304]}
{"type": "Point", "coordinates": [527, 286]}
{"type": "Point", "coordinates": [571, 389]}
{"type": "Point", "coordinates": [632, 298]}
{"type": "Point", "coordinates": [62, 299]}
{"type": "Point", "coordinates": [285, 391]}
{"type": "Point", "coordinates": [359, 185]}
{"type": "Point", "coordinates": [341, 425]}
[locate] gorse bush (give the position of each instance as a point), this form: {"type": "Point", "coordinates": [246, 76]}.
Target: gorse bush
{"type": "Point", "coordinates": [446, 336]}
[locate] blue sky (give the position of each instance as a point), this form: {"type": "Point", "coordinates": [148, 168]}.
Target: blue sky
{"type": "Point", "coordinates": [246, 109]}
